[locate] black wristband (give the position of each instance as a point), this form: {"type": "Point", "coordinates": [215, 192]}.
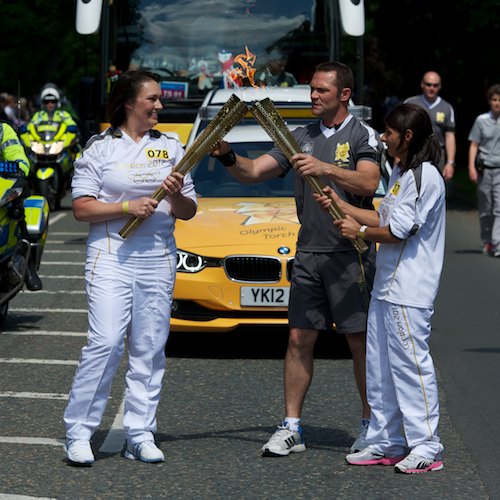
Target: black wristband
{"type": "Point", "coordinates": [227, 159]}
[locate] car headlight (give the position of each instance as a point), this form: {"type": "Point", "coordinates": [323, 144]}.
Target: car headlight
{"type": "Point", "coordinates": [188, 262]}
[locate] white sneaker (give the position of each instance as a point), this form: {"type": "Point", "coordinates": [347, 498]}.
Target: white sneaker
{"type": "Point", "coordinates": [146, 451]}
{"type": "Point", "coordinates": [414, 464]}
{"type": "Point", "coordinates": [283, 442]}
{"type": "Point", "coordinates": [360, 443]}
{"type": "Point", "coordinates": [369, 456]}
{"type": "Point", "coordinates": [79, 452]}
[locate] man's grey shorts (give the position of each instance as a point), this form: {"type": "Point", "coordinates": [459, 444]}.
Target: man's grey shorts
{"type": "Point", "coordinates": [331, 288]}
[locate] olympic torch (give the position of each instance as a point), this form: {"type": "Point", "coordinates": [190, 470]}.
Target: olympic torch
{"type": "Point", "coordinates": [227, 117]}
{"type": "Point", "coordinates": [270, 120]}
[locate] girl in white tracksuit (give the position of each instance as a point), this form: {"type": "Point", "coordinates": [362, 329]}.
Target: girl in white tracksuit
{"type": "Point", "coordinates": [410, 226]}
{"type": "Point", "coordinates": [129, 282]}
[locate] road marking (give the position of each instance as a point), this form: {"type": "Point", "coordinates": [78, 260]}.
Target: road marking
{"type": "Point", "coordinates": [6, 496]}
{"type": "Point", "coordinates": [38, 361]}
{"type": "Point", "coordinates": [33, 395]}
{"type": "Point", "coordinates": [68, 233]}
{"type": "Point", "coordinates": [116, 435]}
{"type": "Point", "coordinates": [63, 263]}
{"type": "Point", "coordinates": [62, 276]}
{"type": "Point", "coordinates": [40, 309]}
{"type": "Point", "coordinates": [57, 292]}
{"type": "Point", "coordinates": [31, 440]}
{"type": "Point", "coordinates": [63, 251]}
{"type": "Point", "coordinates": [59, 242]}
{"type": "Point", "coordinates": [46, 332]}
{"type": "Point", "coordinates": [56, 218]}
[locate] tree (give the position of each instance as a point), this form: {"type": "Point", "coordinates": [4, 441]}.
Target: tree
{"type": "Point", "coordinates": [456, 38]}
{"type": "Point", "coordinates": [40, 44]}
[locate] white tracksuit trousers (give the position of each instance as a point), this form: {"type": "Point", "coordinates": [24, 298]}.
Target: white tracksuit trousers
{"type": "Point", "coordinates": [127, 297]}
{"type": "Point", "coordinates": [401, 381]}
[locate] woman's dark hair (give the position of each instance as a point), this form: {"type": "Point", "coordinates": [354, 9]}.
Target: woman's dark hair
{"type": "Point", "coordinates": [125, 91]}
{"type": "Point", "coordinates": [423, 145]}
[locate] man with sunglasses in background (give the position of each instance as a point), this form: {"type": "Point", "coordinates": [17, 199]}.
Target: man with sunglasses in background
{"type": "Point", "coordinates": [442, 117]}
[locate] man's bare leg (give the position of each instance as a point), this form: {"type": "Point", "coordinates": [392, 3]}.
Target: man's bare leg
{"type": "Point", "coordinates": [298, 369]}
{"type": "Point", "coordinates": [357, 345]}
{"type": "Point", "coordinates": [298, 373]}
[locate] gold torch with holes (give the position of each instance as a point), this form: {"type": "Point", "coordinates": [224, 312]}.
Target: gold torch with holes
{"type": "Point", "coordinates": [227, 117]}
{"type": "Point", "coordinates": [272, 122]}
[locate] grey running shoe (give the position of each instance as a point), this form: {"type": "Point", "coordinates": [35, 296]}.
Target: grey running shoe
{"type": "Point", "coordinates": [360, 443]}
{"type": "Point", "coordinates": [146, 451]}
{"type": "Point", "coordinates": [283, 442]}
{"type": "Point", "coordinates": [79, 452]}
{"type": "Point", "coordinates": [415, 464]}
{"type": "Point", "coordinates": [369, 456]}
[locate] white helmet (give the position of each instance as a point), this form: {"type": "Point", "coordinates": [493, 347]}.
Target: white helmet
{"type": "Point", "coordinates": [50, 93]}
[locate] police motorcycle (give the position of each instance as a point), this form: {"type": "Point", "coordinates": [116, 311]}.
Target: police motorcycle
{"type": "Point", "coordinates": [23, 231]}
{"type": "Point", "coordinates": [52, 147]}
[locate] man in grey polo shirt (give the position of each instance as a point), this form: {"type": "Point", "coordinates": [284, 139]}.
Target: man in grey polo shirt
{"type": "Point", "coordinates": [442, 117]}
{"type": "Point", "coordinates": [484, 170]}
{"type": "Point", "coordinates": [330, 281]}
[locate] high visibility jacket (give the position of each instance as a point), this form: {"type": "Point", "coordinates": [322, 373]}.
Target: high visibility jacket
{"type": "Point", "coordinates": [11, 148]}
{"type": "Point", "coordinates": [59, 121]}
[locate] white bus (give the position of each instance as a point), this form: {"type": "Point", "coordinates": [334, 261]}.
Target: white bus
{"type": "Point", "coordinates": [194, 45]}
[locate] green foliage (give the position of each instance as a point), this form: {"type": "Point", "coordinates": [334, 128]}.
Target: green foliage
{"type": "Point", "coordinates": [404, 38]}
{"type": "Point", "coordinates": [40, 44]}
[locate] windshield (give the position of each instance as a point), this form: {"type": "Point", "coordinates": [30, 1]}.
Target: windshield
{"type": "Point", "coordinates": [212, 180]}
{"type": "Point", "coordinates": [192, 44]}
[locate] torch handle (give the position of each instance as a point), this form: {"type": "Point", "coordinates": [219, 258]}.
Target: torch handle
{"type": "Point", "coordinates": [335, 211]}
{"type": "Point", "coordinates": [227, 117]}
{"type": "Point", "coordinates": [134, 222]}
{"type": "Point", "coordinates": [270, 120]}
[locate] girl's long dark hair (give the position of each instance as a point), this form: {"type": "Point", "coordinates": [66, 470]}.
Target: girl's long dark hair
{"type": "Point", "coordinates": [423, 146]}
{"type": "Point", "coordinates": [126, 90]}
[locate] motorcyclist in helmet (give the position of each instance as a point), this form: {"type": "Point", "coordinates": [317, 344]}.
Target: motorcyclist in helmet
{"type": "Point", "coordinates": [50, 118]}
{"type": "Point", "coordinates": [11, 149]}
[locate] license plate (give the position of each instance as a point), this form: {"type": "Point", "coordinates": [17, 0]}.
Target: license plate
{"type": "Point", "coordinates": [264, 296]}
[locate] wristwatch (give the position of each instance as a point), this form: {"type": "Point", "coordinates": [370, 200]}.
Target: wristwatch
{"type": "Point", "coordinates": [362, 232]}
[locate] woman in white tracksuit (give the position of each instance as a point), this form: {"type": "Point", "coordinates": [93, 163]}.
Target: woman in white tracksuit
{"type": "Point", "coordinates": [410, 226]}
{"type": "Point", "coordinates": [129, 282]}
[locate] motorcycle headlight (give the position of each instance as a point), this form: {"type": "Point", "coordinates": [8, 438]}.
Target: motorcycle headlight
{"type": "Point", "coordinates": [56, 148]}
{"type": "Point", "coordinates": [37, 148]}
{"type": "Point", "coordinates": [9, 195]}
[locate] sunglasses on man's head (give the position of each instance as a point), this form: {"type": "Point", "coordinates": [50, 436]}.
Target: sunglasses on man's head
{"type": "Point", "coordinates": [429, 84]}
{"type": "Point", "coordinates": [46, 101]}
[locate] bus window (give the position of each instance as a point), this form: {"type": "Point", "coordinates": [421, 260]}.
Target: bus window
{"type": "Point", "coordinates": [192, 44]}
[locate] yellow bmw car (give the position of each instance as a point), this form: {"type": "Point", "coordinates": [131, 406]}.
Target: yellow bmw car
{"type": "Point", "coordinates": [235, 256]}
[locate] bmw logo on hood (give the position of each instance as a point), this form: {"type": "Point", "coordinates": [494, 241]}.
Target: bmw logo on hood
{"type": "Point", "coordinates": [283, 250]}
